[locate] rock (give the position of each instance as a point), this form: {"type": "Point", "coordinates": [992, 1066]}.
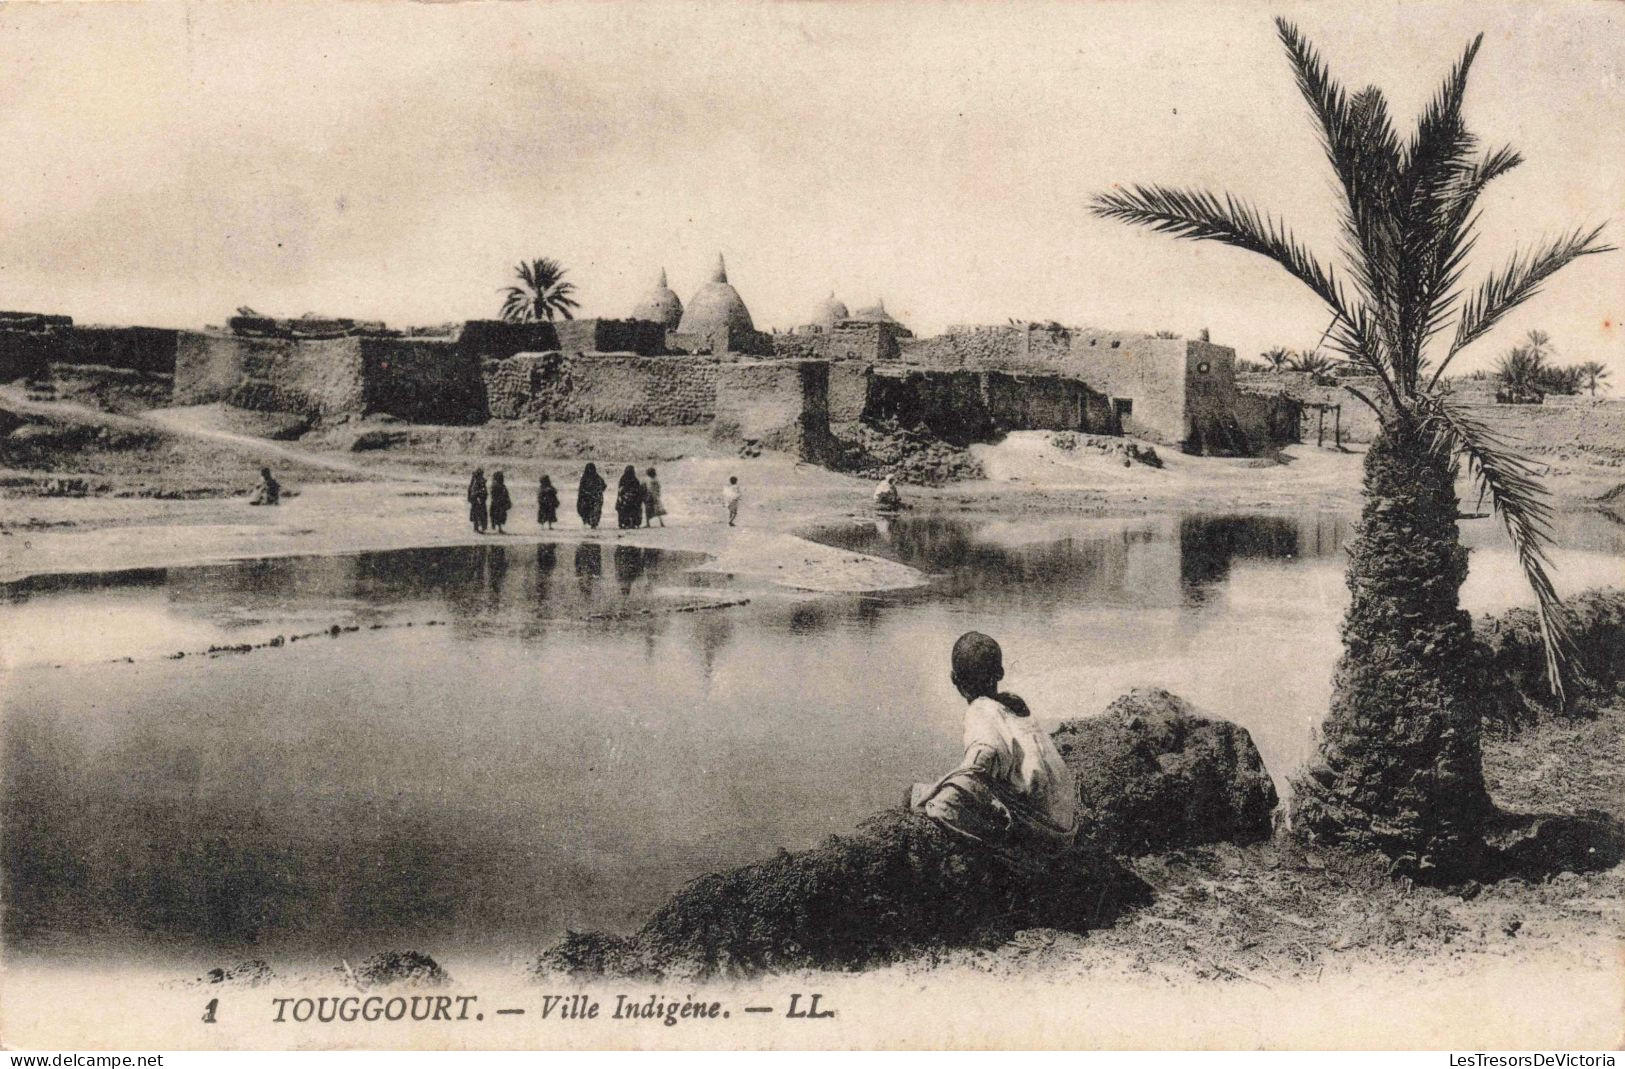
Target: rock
{"type": "Point", "coordinates": [1153, 773]}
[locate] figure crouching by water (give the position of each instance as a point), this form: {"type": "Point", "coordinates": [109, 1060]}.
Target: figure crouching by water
{"type": "Point", "coordinates": [1012, 792]}
{"type": "Point", "coordinates": [501, 502]}
{"type": "Point", "coordinates": [267, 491]}
{"type": "Point", "coordinates": [477, 498]}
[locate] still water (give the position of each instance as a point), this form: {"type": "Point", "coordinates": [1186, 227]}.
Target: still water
{"type": "Point", "coordinates": [558, 741]}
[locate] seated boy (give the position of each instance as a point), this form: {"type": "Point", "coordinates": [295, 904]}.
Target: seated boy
{"type": "Point", "coordinates": [1011, 790]}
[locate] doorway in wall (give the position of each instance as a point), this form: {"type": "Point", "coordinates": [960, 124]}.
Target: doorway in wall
{"type": "Point", "coordinates": [1122, 414]}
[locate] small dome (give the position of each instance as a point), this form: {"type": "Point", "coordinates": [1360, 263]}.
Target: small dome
{"type": "Point", "coordinates": [716, 308]}
{"type": "Point", "coordinates": [660, 305]}
{"type": "Point", "coordinates": [875, 313]}
{"type": "Point", "coordinates": [829, 313]}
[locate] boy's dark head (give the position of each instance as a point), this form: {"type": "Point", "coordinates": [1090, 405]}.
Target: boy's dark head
{"type": "Point", "coordinates": [733, 480]}
{"type": "Point", "coordinates": [978, 665]}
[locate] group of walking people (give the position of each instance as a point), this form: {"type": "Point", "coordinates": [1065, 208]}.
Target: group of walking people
{"type": "Point", "coordinates": [637, 501]}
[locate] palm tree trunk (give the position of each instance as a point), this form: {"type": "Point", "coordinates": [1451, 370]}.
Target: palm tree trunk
{"type": "Point", "coordinates": [1399, 766]}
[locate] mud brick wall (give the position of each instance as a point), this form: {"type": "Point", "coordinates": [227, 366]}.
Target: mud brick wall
{"type": "Point", "coordinates": [1359, 423]}
{"type": "Point", "coordinates": [1148, 372]}
{"type": "Point", "coordinates": [799, 346]}
{"type": "Point", "coordinates": [29, 342]}
{"type": "Point", "coordinates": [310, 377]}
{"type": "Point", "coordinates": [974, 406]}
{"type": "Point", "coordinates": [659, 391]}
{"type": "Point", "coordinates": [610, 336]}
{"type": "Point", "coordinates": [150, 349]}
{"type": "Point", "coordinates": [1045, 403]}
{"type": "Point", "coordinates": [949, 403]}
{"type": "Point", "coordinates": [25, 353]}
{"type": "Point", "coordinates": [780, 404]}
{"type": "Point", "coordinates": [422, 380]}
{"type": "Point", "coordinates": [965, 347]}
{"type": "Point", "coordinates": [848, 390]}
{"type": "Point", "coordinates": [497, 338]}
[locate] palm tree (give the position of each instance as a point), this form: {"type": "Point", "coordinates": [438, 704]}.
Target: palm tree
{"type": "Point", "coordinates": [1277, 358]}
{"type": "Point", "coordinates": [1314, 362]}
{"type": "Point", "coordinates": [1398, 766]}
{"type": "Point", "coordinates": [541, 294]}
{"type": "Point", "coordinates": [1521, 371]}
{"type": "Point", "coordinates": [1539, 342]}
{"type": "Point", "coordinates": [1592, 374]}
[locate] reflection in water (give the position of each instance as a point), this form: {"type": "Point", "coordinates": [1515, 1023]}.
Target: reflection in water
{"type": "Point", "coordinates": [566, 753]}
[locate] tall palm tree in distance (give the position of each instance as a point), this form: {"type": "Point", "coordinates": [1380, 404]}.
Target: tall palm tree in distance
{"type": "Point", "coordinates": [1398, 766]}
{"type": "Point", "coordinates": [542, 293]}
{"type": "Point", "coordinates": [1591, 374]}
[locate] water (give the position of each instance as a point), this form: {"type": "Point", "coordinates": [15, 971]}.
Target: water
{"type": "Point", "coordinates": [567, 747]}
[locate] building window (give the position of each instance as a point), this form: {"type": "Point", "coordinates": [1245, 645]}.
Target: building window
{"type": "Point", "coordinates": [1203, 367]}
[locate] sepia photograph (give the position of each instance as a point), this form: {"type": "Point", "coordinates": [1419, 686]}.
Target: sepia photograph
{"type": "Point", "coordinates": [753, 525]}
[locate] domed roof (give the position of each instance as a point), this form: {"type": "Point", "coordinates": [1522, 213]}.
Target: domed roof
{"type": "Point", "coordinates": [660, 305]}
{"type": "Point", "coordinates": [875, 313]}
{"type": "Point", "coordinates": [716, 307]}
{"type": "Point", "coordinates": [829, 313]}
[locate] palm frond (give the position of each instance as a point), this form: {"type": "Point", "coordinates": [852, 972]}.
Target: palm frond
{"type": "Point", "coordinates": [1197, 215]}
{"type": "Point", "coordinates": [1519, 280]}
{"type": "Point", "coordinates": [1515, 492]}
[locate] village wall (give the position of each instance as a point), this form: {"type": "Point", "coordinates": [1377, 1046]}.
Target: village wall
{"type": "Point", "coordinates": [422, 380]}
{"type": "Point", "coordinates": [777, 404]}
{"type": "Point", "coordinates": [29, 342]}
{"type": "Point", "coordinates": [309, 376]}
{"type": "Point", "coordinates": [848, 390]}
{"type": "Point", "coordinates": [1328, 412]}
{"type": "Point", "coordinates": [601, 387]}
{"type": "Point", "coordinates": [638, 336]}
{"type": "Point", "coordinates": [964, 406]}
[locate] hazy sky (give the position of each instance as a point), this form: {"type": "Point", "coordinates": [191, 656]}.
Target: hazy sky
{"type": "Point", "coordinates": [167, 163]}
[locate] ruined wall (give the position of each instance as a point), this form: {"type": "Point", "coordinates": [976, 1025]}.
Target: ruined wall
{"type": "Point", "coordinates": [963, 406]}
{"type": "Point", "coordinates": [1045, 403]}
{"type": "Point", "coordinates": [1322, 406]}
{"type": "Point", "coordinates": [311, 377]}
{"type": "Point", "coordinates": [779, 404]}
{"type": "Point", "coordinates": [423, 380]}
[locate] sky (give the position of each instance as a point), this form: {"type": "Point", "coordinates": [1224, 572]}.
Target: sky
{"type": "Point", "coordinates": [166, 163]}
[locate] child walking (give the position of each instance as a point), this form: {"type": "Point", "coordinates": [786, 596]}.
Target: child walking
{"type": "Point", "coordinates": [730, 498]}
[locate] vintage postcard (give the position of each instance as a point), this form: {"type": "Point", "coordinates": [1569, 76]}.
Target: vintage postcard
{"type": "Point", "coordinates": [765, 525]}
